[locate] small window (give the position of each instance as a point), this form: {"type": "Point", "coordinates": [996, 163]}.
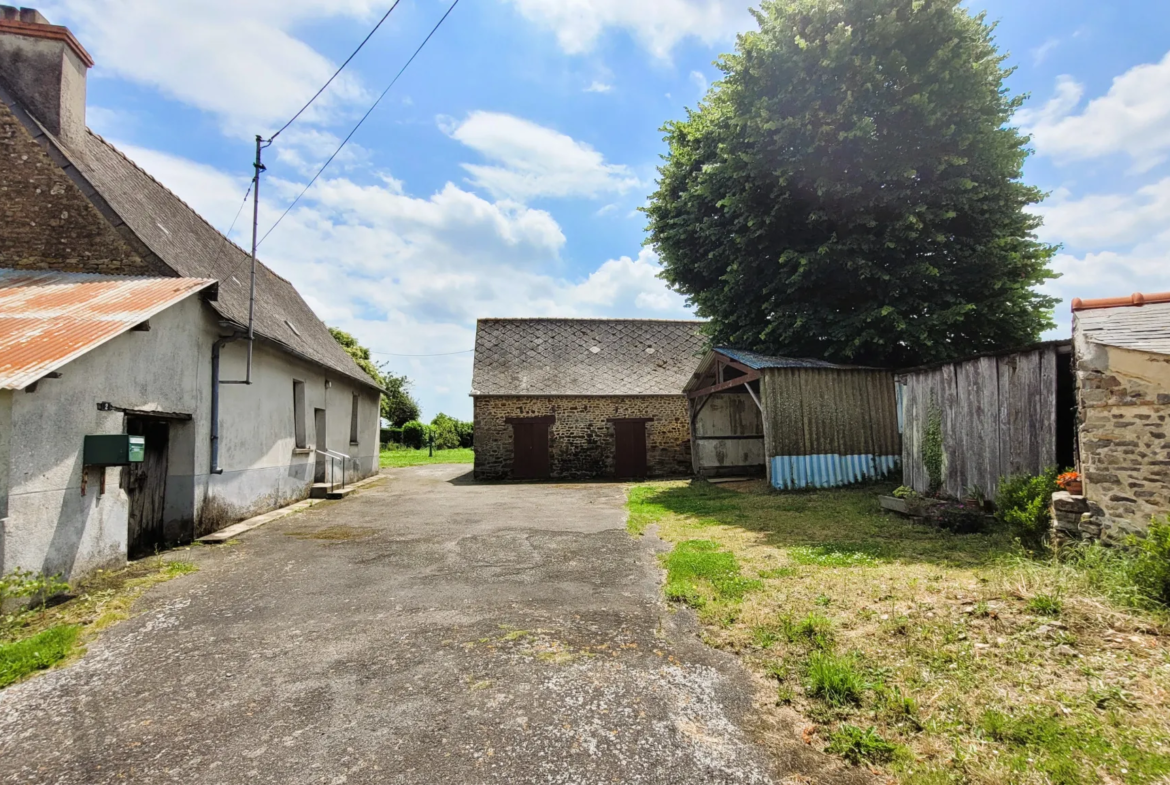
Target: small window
{"type": "Point", "coordinates": [299, 414]}
{"type": "Point", "coordinates": [353, 421]}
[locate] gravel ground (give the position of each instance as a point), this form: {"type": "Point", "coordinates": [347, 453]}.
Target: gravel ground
{"type": "Point", "coordinates": [426, 630]}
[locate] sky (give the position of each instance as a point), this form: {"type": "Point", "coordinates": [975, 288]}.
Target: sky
{"type": "Point", "coordinates": [502, 175]}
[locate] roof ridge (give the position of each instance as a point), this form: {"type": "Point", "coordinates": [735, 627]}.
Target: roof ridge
{"type": "Point", "coordinates": [1137, 299]}
{"type": "Point", "coordinates": [182, 201]}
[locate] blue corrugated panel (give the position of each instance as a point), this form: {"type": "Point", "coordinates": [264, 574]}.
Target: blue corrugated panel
{"type": "Point", "coordinates": [793, 472]}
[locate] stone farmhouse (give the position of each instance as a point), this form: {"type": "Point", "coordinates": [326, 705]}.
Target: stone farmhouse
{"type": "Point", "coordinates": [126, 422]}
{"type": "Point", "coordinates": [1122, 354]}
{"type": "Point", "coordinates": [583, 398]}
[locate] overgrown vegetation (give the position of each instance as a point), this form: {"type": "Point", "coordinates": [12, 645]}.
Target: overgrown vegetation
{"type": "Point", "coordinates": [398, 405]}
{"type": "Point", "coordinates": [932, 446]}
{"type": "Point", "coordinates": [57, 626]}
{"type": "Point", "coordinates": [1022, 504]}
{"type": "Point", "coordinates": [941, 658]}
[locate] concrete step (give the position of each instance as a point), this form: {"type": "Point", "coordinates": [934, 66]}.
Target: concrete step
{"type": "Point", "coordinates": [340, 493]}
{"type": "Point", "coordinates": [319, 490]}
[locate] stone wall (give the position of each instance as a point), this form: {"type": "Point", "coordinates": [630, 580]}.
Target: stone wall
{"type": "Point", "coordinates": [46, 222]}
{"type": "Point", "coordinates": [581, 441]}
{"type": "Point", "coordinates": [1124, 398]}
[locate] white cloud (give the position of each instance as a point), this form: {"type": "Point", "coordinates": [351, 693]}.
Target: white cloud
{"type": "Point", "coordinates": [1133, 118]}
{"type": "Point", "coordinates": [1040, 53]}
{"type": "Point", "coordinates": [657, 25]}
{"type": "Point", "coordinates": [1102, 221]}
{"type": "Point", "coordinates": [531, 161]}
{"type": "Point", "coordinates": [1115, 244]}
{"type": "Point", "coordinates": [700, 82]}
{"type": "Point", "coordinates": [239, 61]}
{"type": "Point", "coordinates": [599, 87]}
{"type": "Point", "coordinates": [416, 272]}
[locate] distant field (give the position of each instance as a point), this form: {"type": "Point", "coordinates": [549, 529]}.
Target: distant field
{"type": "Point", "coordinates": [396, 458]}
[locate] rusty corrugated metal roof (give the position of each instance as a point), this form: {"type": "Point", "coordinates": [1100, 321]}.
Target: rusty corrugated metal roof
{"type": "Point", "coordinates": [48, 318]}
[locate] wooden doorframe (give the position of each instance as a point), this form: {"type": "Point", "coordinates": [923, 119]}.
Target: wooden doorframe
{"type": "Point", "coordinates": [539, 469]}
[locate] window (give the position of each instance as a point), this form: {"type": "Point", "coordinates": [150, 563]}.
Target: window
{"type": "Point", "coordinates": [353, 421]}
{"type": "Point", "coordinates": [299, 414]}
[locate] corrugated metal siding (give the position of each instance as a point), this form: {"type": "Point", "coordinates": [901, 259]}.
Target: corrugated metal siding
{"type": "Point", "coordinates": [50, 318]}
{"type": "Point", "coordinates": [998, 417]}
{"type": "Point", "coordinates": [829, 427]}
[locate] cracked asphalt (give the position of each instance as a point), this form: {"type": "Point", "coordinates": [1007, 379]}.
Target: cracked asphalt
{"type": "Point", "coordinates": [426, 630]}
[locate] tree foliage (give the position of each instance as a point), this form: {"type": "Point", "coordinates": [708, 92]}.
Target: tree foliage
{"type": "Point", "coordinates": [851, 189]}
{"type": "Point", "coordinates": [398, 405]}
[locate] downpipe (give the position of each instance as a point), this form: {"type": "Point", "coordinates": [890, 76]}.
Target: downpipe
{"type": "Point", "coordinates": [215, 383]}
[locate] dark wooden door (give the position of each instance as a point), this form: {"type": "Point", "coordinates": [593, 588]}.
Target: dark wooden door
{"type": "Point", "coordinates": [530, 451]}
{"type": "Point", "coordinates": [629, 449]}
{"type": "Point", "coordinates": [146, 486]}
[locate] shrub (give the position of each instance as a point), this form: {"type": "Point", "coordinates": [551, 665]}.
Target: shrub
{"type": "Point", "coordinates": [1022, 503]}
{"type": "Point", "coordinates": [905, 492]}
{"type": "Point", "coordinates": [1151, 566]}
{"type": "Point", "coordinates": [443, 429]}
{"type": "Point", "coordinates": [835, 679]}
{"type": "Point", "coordinates": [856, 745]}
{"type": "Point", "coordinates": [466, 432]}
{"type": "Point", "coordinates": [414, 434]}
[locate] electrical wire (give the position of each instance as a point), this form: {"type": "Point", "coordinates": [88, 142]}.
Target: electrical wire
{"type": "Point", "coordinates": [335, 74]}
{"type": "Point", "coordinates": [370, 111]}
{"type": "Point", "coordinates": [229, 232]}
{"type": "Point", "coordinates": [443, 354]}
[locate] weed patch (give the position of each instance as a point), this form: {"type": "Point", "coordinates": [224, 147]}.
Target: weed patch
{"type": "Point", "coordinates": [861, 746]}
{"type": "Point", "coordinates": [699, 570]}
{"type": "Point", "coordinates": [835, 679]}
{"type": "Point", "coordinates": [30, 655]}
{"type": "Point", "coordinates": [835, 555]}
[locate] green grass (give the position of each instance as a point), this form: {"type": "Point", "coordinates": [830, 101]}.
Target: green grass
{"type": "Point", "coordinates": [942, 658]}
{"type": "Point", "coordinates": [697, 572]}
{"type": "Point", "coordinates": [835, 678]}
{"type": "Point", "coordinates": [861, 746]}
{"type": "Point", "coordinates": [399, 458]}
{"type": "Point", "coordinates": [36, 653]}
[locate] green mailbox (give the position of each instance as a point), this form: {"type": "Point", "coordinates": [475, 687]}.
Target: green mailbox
{"type": "Point", "coordinates": [114, 449]}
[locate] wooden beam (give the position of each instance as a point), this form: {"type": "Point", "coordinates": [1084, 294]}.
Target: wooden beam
{"type": "Point", "coordinates": [738, 366]}
{"type": "Point", "coordinates": [752, 393]}
{"type": "Point", "coordinates": [736, 382]}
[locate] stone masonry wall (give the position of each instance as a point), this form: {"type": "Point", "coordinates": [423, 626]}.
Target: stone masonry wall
{"type": "Point", "coordinates": [46, 222]}
{"type": "Point", "coordinates": [581, 442]}
{"type": "Point", "coordinates": [1124, 437]}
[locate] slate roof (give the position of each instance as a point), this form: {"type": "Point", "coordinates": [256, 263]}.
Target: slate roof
{"type": "Point", "coordinates": [1145, 328]}
{"type": "Point", "coordinates": [589, 357]}
{"type": "Point", "coordinates": [193, 248]}
{"type": "Point", "coordinates": [49, 318]}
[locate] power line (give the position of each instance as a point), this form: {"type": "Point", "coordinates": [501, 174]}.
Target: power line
{"type": "Point", "coordinates": [336, 73]}
{"type": "Point", "coordinates": [443, 354]}
{"type": "Point", "coordinates": [359, 123]}
{"type": "Point", "coordinates": [228, 234]}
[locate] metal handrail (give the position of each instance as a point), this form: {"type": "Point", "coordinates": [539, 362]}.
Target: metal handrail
{"type": "Point", "coordinates": [333, 456]}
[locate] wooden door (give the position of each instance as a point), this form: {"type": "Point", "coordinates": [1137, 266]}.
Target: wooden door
{"type": "Point", "coordinates": [629, 449]}
{"type": "Point", "coordinates": [146, 486]}
{"type": "Point", "coordinates": [530, 459]}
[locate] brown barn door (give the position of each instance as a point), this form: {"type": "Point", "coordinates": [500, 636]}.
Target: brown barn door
{"type": "Point", "coordinates": [629, 449]}
{"type": "Point", "coordinates": [146, 486]}
{"type": "Point", "coordinates": [530, 459]}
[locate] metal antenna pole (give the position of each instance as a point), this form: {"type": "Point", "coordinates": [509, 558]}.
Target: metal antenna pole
{"type": "Point", "coordinates": [255, 230]}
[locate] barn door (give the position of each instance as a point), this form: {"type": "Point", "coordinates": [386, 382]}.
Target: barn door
{"type": "Point", "coordinates": [530, 459]}
{"type": "Point", "coordinates": [629, 449]}
{"type": "Point", "coordinates": [146, 485]}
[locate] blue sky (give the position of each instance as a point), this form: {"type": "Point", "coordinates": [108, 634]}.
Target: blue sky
{"type": "Point", "coordinates": [502, 174]}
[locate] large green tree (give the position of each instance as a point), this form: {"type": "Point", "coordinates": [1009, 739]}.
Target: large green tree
{"type": "Point", "coordinates": [851, 189]}
{"type": "Point", "coordinates": [398, 405]}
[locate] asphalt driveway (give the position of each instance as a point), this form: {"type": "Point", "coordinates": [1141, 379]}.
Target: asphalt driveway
{"type": "Point", "coordinates": [426, 630]}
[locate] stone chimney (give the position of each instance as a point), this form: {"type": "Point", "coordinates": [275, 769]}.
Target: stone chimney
{"type": "Point", "coordinates": [44, 67]}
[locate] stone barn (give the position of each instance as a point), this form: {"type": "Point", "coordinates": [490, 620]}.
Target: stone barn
{"type": "Point", "coordinates": [1122, 354]}
{"type": "Point", "coordinates": [583, 398]}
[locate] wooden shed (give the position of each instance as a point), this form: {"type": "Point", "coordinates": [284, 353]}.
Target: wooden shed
{"type": "Point", "coordinates": [802, 423]}
{"type": "Point", "coordinates": [968, 423]}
